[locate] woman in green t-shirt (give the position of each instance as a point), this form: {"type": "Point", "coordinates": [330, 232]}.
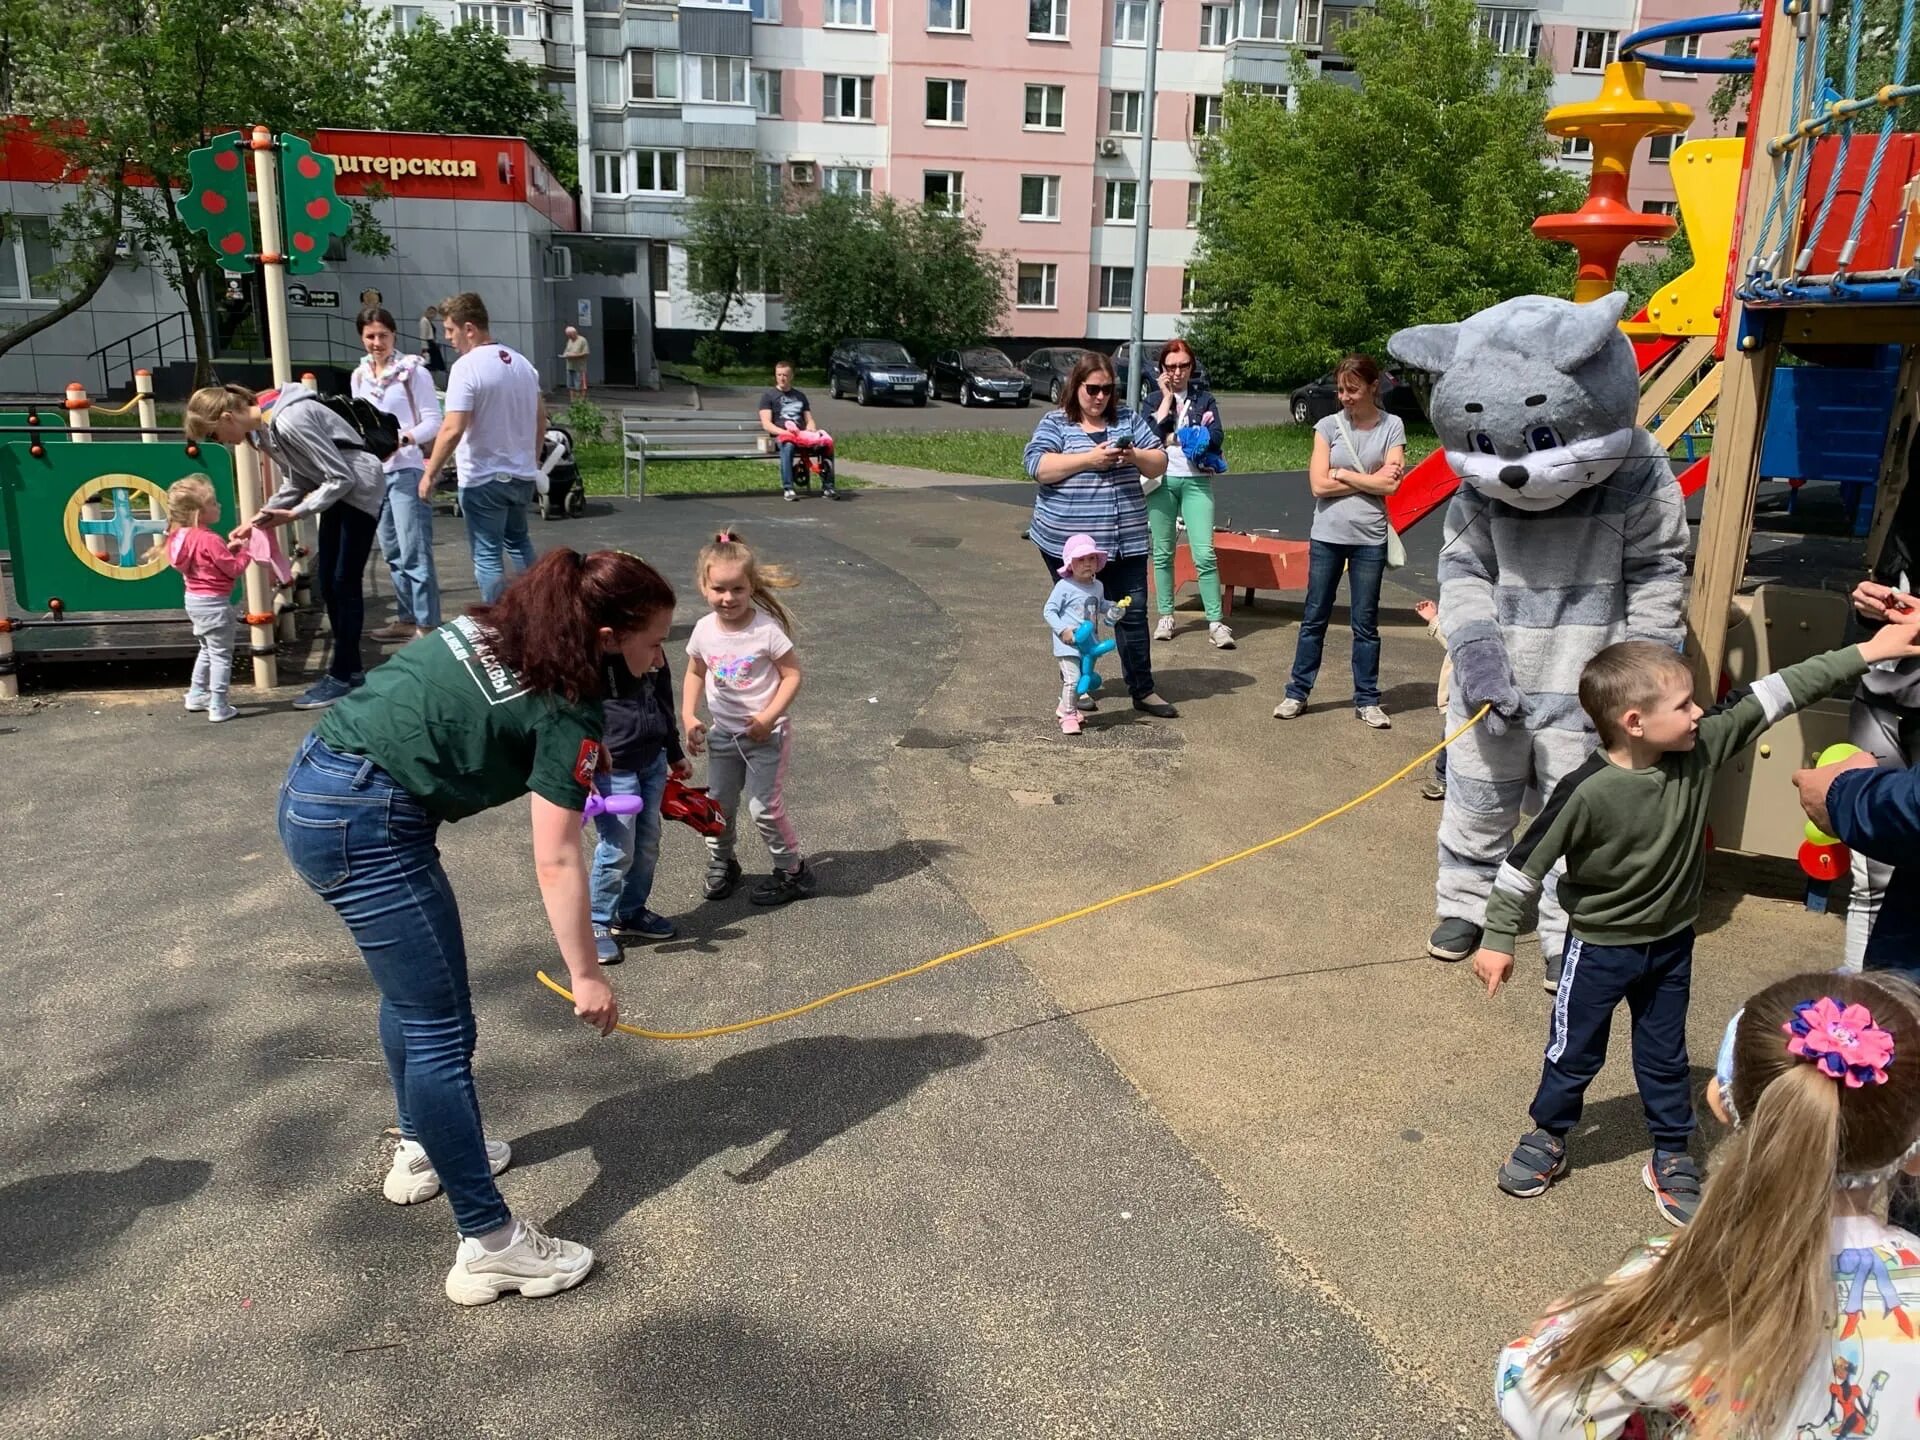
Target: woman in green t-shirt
{"type": "Point", "coordinates": [501, 702]}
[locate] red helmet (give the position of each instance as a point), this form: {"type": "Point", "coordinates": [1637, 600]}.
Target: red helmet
{"type": "Point", "coordinates": [693, 805]}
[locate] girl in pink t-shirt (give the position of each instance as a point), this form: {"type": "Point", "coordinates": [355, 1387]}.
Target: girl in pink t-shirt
{"type": "Point", "coordinates": [741, 658]}
{"type": "Point", "coordinates": [210, 566]}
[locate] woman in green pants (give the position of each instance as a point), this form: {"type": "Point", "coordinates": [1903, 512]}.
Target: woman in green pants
{"type": "Point", "coordinates": [1187, 492]}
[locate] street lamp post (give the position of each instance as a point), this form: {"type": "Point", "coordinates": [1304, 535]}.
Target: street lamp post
{"type": "Point", "coordinates": [1143, 211]}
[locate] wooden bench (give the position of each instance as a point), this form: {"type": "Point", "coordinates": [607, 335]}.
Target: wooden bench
{"type": "Point", "coordinates": [1247, 562]}
{"type": "Point", "coordinates": [686, 435]}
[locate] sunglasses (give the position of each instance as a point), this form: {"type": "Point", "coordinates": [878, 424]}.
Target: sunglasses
{"type": "Point", "coordinates": [1179, 365]}
{"type": "Point", "coordinates": [1093, 389]}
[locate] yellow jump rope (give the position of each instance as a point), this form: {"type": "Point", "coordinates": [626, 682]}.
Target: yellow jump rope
{"type": "Point", "coordinates": [1024, 931]}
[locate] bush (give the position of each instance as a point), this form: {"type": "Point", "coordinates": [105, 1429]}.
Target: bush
{"type": "Point", "coordinates": [587, 421]}
{"type": "Point", "coordinates": [710, 352]}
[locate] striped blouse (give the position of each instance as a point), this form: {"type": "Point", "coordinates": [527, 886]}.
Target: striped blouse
{"type": "Point", "coordinates": [1106, 504]}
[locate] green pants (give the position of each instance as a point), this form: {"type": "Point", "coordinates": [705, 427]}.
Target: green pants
{"type": "Point", "coordinates": [1188, 498]}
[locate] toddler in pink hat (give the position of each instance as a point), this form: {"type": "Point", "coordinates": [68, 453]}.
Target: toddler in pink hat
{"type": "Point", "coordinates": [1076, 599]}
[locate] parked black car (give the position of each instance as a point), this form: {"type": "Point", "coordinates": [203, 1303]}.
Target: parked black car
{"type": "Point", "coordinates": [1316, 401]}
{"type": "Point", "coordinates": [873, 370]}
{"type": "Point", "coordinates": [1150, 366]}
{"type": "Point", "coordinates": [1048, 369]}
{"type": "Point", "coordinates": [979, 375]}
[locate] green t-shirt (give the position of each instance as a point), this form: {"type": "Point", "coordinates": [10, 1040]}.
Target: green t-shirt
{"type": "Point", "coordinates": [463, 733]}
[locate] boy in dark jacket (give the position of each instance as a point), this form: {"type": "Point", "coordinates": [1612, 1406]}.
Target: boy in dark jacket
{"type": "Point", "coordinates": [642, 740]}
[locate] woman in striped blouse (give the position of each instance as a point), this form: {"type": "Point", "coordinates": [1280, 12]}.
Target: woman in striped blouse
{"type": "Point", "coordinates": [1088, 459]}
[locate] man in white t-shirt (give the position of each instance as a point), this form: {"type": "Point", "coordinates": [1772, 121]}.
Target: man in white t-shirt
{"type": "Point", "coordinates": [496, 419]}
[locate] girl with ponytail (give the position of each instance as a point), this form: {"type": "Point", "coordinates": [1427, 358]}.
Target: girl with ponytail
{"type": "Point", "coordinates": [1787, 1310]}
{"type": "Point", "coordinates": [500, 703]}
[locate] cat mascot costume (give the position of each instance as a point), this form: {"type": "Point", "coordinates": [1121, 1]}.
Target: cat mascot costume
{"type": "Point", "coordinates": [1567, 533]}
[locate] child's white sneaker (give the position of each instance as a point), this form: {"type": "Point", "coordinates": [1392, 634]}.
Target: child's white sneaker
{"type": "Point", "coordinates": [1164, 630]}
{"type": "Point", "coordinates": [220, 710]}
{"type": "Point", "coordinates": [1219, 636]}
{"type": "Point", "coordinates": [197, 700]}
{"type": "Point", "coordinates": [411, 1178]}
{"type": "Point", "coordinates": [535, 1264]}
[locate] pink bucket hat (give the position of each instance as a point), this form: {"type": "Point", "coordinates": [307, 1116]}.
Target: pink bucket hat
{"type": "Point", "coordinates": [1077, 546]}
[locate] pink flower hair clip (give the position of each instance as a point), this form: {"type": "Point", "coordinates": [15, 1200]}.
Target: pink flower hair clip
{"type": "Point", "coordinates": [1843, 1042]}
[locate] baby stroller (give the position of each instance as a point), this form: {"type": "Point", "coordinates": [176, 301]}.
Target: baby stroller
{"type": "Point", "coordinates": [558, 488]}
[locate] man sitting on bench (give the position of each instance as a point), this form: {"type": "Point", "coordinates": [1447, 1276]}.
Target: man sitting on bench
{"type": "Point", "coordinates": [780, 407]}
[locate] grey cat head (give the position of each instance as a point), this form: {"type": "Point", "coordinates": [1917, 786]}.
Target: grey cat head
{"type": "Point", "coordinates": [1535, 398]}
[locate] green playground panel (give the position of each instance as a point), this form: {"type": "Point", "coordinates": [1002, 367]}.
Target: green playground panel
{"type": "Point", "coordinates": [84, 518]}
{"type": "Point", "coordinates": [53, 422]}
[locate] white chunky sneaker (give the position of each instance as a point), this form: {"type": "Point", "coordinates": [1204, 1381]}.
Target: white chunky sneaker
{"type": "Point", "coordinates": [1164, 630]}
{"type": "Point", "coordinates": [535, 1264]}
{"type": "Point", "coordinates": [1219, 636]}
{"type": "Point", "coordinates": [1374, 717]}
{"type": "Point", "coordinates": [412, 1178]}
{"type": "Point", "coordinates": [1288, 708]}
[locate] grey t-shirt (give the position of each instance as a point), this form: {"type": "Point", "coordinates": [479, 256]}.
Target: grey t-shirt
{"type": "Point", "coordinates": [1356, 519]}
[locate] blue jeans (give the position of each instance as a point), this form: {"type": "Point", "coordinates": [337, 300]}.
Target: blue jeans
{"type": "Point", "coordinates": [629, 845]}
{"type": "Point", "coordinates": [367, 848]}
{"type": "Point", "coordinates": [406, 539]}
{"type": "Point", "coordinates": [1364, 564]}
{"type": "Point", "coordinates": [787, 453]}
{"type": "Point", "coordinates": [496, 514]}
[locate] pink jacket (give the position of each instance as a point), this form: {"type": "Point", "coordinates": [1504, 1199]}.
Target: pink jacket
{"type": "Point", "coordinates": [203, 558]}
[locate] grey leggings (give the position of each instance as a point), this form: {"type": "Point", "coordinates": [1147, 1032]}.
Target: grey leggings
{"type": "Point", "coordinates": [736, 763]}
{"type": "Point", "coordinates": [213, 627]}
{"type": "Point", "coordinates": [1892, 736]}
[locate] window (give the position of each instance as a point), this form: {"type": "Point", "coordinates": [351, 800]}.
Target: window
{"type": "Point", "coordinates": [604, 84]}
{"type": "Point", "coordinates": [656, 172]}
{"type": "Point", "coordinates": [771, 180]}
{"type": "Point", "coordinates": [653, 74]}
{"type": "Point", "coordinates": [1682, 47]}
{"type": "Point", "coordinates": [1047, 19]}
{"type": "Point", "coordinates": [1266, 19]}
{"type": "Point", "coordinates": [1129, 22]}
{"type": "Point", "coordinates": [946, 102]}
{"type": "Point", "coordinates": [1122, 197]}
{"type": "Point", "coordinates": [946, 14]}
{"type": "Point", "coordinates": [766, 11]}
{"type": "Point", "coordinates": [657, 265]}
{"type": "Point", "coordinates": [1306, 25]}
{"type": "Point", "coordinates": [849, 97]}
{"type": "Point", "coordinates": [1196, 197]}
{"type": "Point", "coordinates": [851, 14]}
{"type": "Point", "coordinates": [1269, 92]}
{"type": "Point", "coordinates": [1123, 112]}
{"type": "Point", "coordinates": [609, 172]}
{"type": "Point", "coordinates": [847, 180]}
{"type": "Point", "coordinates": [766, 93]}
{"type": "Point", "coordinates": [1660, 148]}
{"type": "Point", "coordinates": [1186, 290]}
{"type": "Point", "coordinates": [1039, 197]}
{"type": "Point", "coordinates": [508, 20]}
{"type": "Point", "coordinates": [708, 168]}
{"type": "Point", "coordinates": [1511, 32]}
{"type": "Point", "coordinates": [1216, 26]}
{"type": "Point", "coordinates": [717, 79]}
{"type": "Point", "coordinates": [1206, 115]}
{"type": "Point", "coordinates": [406, 19]}
{"type": "Point", "coordinates": [1576, 147]}
{"type": "Point", "coordinates": [1594, 50]}
{"type": "Point", "coordinates": [1046, 107]}
{"type": "Point", "coordinates": [1116, 287]}
{"type": "Point", "coordinates": [942, 189]}
{"type": "Point", "coordinates": [1661, 207]}
{"type": "Point", "coordinates": [26, 254]}
{"type": "Point", "coordinates": [1037, 287]}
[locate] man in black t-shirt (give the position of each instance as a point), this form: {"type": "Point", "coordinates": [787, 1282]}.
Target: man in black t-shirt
{"type": "Point", "coordinates": [785, 405]}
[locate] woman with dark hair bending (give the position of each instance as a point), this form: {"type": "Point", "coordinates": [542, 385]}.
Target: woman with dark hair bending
{"type": "Point", "coordinates": [501, 702]}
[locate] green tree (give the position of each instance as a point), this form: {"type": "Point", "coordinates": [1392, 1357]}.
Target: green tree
{"type": "Point", "coordinates": [1879, 24]}
{"type": "Point", "coordinates": [732, 232]}
{"type": "Point", "coordinates": [1407, 200]}
{"type": "Point", "coordinates": [126, 88]}
{"type": "Point", "coordinates": [463, 82]}
{"type": "Point", "coordinates": [913, 273]}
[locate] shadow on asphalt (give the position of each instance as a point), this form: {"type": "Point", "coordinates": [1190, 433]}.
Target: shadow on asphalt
{"type": "Point", "coordinates": [806, 1091]}
{"type": "Point", "coordinates": [57, 1220]}
{"type": "Point", "coordinates": [1616, 1128]}
{"type": "Point", "coordinates": [1179, 683]}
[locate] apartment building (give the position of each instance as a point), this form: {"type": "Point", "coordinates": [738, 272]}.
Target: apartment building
{"type": "Point", "coordinates": [1029, 115]}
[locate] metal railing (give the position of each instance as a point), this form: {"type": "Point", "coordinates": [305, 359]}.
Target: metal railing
{"type": "Point", "coordinates": [316, 338]}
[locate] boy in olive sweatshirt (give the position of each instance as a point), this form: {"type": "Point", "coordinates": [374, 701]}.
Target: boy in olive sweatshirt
{"type": "Point", "coordinates": [1630, 825]}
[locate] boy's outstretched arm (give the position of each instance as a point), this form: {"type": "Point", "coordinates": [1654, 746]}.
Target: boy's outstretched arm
{"type": "Point", "coordinates": [1737, 721]}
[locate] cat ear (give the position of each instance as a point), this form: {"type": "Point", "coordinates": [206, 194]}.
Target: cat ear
{"type": "Point", "coordinates": [1425, 347]}
{"type": "Point", "coordinates": [1583, 331]}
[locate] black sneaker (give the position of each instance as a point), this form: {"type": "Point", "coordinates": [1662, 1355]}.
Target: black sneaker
{"type": "Point", "coordinates": [827, 492]}
{"type": "Point", "coordinates": [1537, 1161]}
{"type": "Point", "coordinates": [784, 886]}
{"type": "Point", "coordinates": [1556, 967]}
{"type": "Point", "coordinates": [1675, 1182]}
{"type": "Point", "coordinates": [721, 878]}
{"type": "Point", "coordinates": [1453, 940]}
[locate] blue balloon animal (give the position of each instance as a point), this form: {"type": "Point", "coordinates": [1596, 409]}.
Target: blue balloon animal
{"type": "Point", "coordinates": [1091, 649]}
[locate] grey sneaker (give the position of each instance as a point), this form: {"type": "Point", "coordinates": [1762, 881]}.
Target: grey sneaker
{"type": "Point", "coordinates": [722, 876]}
{"type": "Point", "coordinates": [1675, 1182]}
{"type": "Point", "coordinates": [1288, 708]}
{"type": "Point", "coordinates": [1556, 965]}
{"type": "Point", "coordinates": [1373, 717]}
{"type": "Point", "coordinates": [1537, 1161]}
{"type": "Point", "coordinates": [1219, 636]}
{"type": "Point", "coordinates": [1453, 939]}
{"type": "Point", "coordinates": [606, 949]}
{"type": "Point", "coordinates": [1086, 703]}
{"type": "Point", "coordinates": [1164, 630]}
{"type": "Point", "coordinates": [1435, 787]}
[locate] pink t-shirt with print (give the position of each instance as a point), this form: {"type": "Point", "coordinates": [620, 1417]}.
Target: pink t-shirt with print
{"type": "Point", "coordinates": [741, 675]}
